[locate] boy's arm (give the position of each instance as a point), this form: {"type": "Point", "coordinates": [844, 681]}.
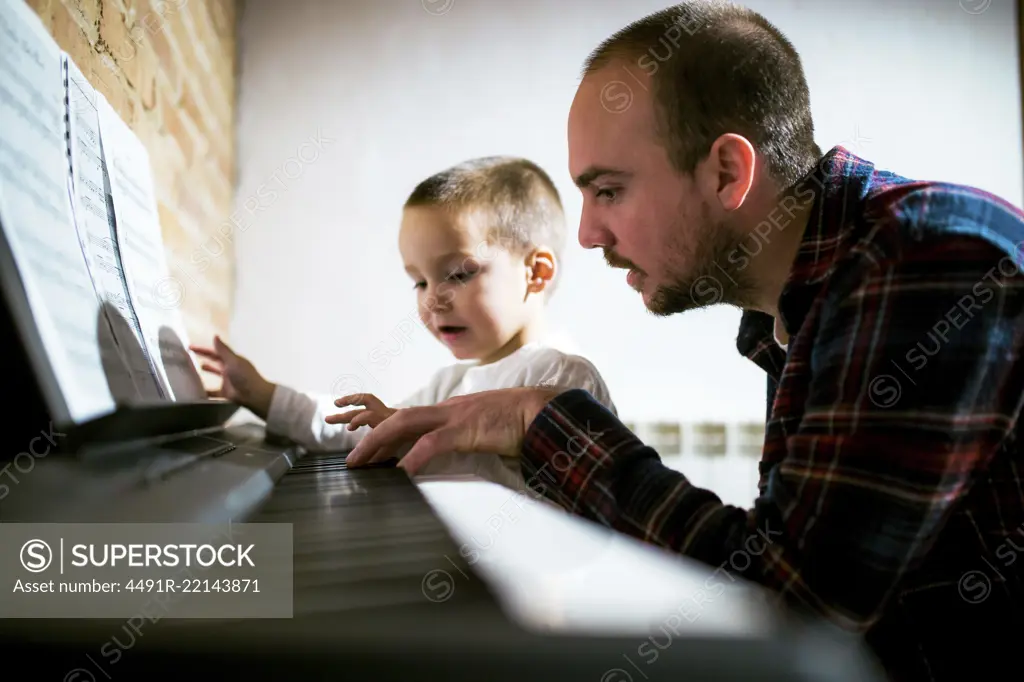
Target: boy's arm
{"type": "Point", "coordinates": [300, 417]}
{"type": "Point", "coordinates": [575, 372]}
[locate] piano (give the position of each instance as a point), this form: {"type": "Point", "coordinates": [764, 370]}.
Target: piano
{"type": "Point", "coordinates": [365, 542]}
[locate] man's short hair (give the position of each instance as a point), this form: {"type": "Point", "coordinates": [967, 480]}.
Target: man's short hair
{"type": "Point", "coordinates": [720, 68]}
{"type": "Point", "coordinates": [515, 195]}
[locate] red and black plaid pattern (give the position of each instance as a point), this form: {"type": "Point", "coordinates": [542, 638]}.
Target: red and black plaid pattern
{"type": "Point", "coordinates": [891, 499]}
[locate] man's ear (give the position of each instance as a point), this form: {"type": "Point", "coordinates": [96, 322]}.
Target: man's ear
{"type": "Point", "coordinates": [729, 170]}
{"type": "Point", "coordinates": [541, 266]}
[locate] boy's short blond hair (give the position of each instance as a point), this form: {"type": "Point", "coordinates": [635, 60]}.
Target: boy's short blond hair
{"type": "Point", "coordinates": [514, 194]}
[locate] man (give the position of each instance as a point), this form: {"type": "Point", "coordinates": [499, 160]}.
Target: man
{"type": "Point", "coordinates": [888, 312]}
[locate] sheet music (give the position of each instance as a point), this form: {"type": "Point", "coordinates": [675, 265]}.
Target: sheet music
{"type": "Point", "coordinates": [144, 259]}
{"type": "Point", "coordinates": [35, 210]}
{"type": "Point", "coordinates": [94, 220]}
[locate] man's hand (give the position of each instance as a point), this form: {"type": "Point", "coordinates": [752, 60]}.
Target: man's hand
{"type": "Point", "coordinates": [374, 414]}
{"type": "Point", "coordinates": [241, 382]}
{"type": "Point", "coordinates": [488, 422]}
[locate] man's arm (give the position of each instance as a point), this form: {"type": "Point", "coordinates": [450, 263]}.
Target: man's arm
{"type": "Point", "coordinates": [889, 441]}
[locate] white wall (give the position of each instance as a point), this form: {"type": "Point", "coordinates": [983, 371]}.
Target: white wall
{"type": "Point", "coordinates": [921, 87]}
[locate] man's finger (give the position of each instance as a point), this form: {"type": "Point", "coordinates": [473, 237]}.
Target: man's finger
{"type": "Point", "coordinates": [429, 446]}
{"type": "Point", "coordinates": [403, 426]}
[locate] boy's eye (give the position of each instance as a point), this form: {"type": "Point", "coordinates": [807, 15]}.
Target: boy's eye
{"type": "Point", "coordinates": [419, 285]}
{"type": "Point", "coordinates": [461, 275]}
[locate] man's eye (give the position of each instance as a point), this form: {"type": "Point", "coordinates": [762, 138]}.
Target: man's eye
{"type": "Point", "coordinates": [606, 193]}
{"type": "Point", "coordinates": [419, 285]}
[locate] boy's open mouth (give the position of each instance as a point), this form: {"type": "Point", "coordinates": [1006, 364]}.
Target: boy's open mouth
{"type": "Point", "coordinates": [450, 332]}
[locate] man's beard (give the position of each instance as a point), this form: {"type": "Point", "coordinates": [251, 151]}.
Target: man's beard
{"type": "Point", "coordinates": [715, 277]}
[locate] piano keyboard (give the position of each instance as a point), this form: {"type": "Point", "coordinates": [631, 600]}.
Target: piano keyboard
{"type": "Point", "coordinates": [366, 539]}
{"type": "Point", "coordinates": [380, 591]}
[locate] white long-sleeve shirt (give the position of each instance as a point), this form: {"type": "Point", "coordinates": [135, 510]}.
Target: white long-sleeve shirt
{"type": "Point", "coordinates": [300, 416]}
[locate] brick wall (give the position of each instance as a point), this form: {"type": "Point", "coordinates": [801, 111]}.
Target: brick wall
{"type": "Point", "coordinates": [168, 68]}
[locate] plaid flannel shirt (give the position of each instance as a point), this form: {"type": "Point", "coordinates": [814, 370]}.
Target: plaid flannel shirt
{"type": "Point", "coordinates": [890, 499]}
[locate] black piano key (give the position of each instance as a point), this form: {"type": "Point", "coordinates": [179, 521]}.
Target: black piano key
{"type": "Point", "coordinates": [365, 537]}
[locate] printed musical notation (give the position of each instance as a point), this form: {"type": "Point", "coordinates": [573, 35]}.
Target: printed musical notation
{"type": "Point", "coordinates": [78, 215]}
{"type": "Point", "coordinates": [141, 247]}
{"type": "Point", "coordinates": [96, 230]}
{"type": "Point", "coordinates": [35, 211]}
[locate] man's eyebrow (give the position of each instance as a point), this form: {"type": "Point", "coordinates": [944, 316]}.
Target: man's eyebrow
{"type": "Point", "coordinates": [584, 179]}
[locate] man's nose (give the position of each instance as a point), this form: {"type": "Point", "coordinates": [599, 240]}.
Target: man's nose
{"type": "Point", "coordinates": [592, 234]}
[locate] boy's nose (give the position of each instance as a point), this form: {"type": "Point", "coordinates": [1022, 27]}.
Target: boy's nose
{"type": "Point", "coordinates": [439, 299]}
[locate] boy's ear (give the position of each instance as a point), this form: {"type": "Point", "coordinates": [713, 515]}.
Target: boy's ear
{"type": "Point", "coordinates": [541, 265]}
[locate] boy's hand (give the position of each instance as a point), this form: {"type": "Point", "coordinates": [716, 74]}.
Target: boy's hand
{"type": "Point", "coordinates": [493, 421]}
{"type": "Point", "coordinates": [241, 382]}
{"type": "Point", "coordinates": [374, 414]}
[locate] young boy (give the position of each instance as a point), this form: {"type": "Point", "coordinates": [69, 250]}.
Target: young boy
{"type": "Point", "coordinates": [481, 242]}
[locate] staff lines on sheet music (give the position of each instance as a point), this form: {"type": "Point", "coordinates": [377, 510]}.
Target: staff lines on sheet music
{"type": "Point", "coordinates": [100, 250]}
{"type": "Point", "coordinates": [6, 28]}
{"type": "Point", "coordinates": [82, 150]}
{"type": "Point", "coordinates": [127, 184]}
{"type": "Point", "coordinates": [99, 213]}
{"type": "Point", "coordinates": [83, 109]}
{"type": "Point", "coordinates": [34, 119]}
{"type": "Point", "coordinates": [30, 166]}
{"type": "Point", "coordinates": [40, 246]}
{"type": "Point", "coordinates": [140, 247]}
{"type": "Point", "coordinates": [53, 211]}
{"type": "Point", "coordinates": [40, 201]}
{"type": "Point", "coordinates": [110, 269]}
{"type": "Point", "coordinates": [13, 68]}
{"type": "Point", "coordinates": [139, 239]}
{"type": "Point", "coordinates": [102, 242]}
{"type": "Point", "coordinates": [29, 52]}
{"type": "Point", "coordinates": [58, 275]}
{"type": "Point", "coordinates": [95, 189]}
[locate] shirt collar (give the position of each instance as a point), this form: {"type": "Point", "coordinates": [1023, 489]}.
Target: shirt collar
{"type": "Point", "coordinates": [836, 186]}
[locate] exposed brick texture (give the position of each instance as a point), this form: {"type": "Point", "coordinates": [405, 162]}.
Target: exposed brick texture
{"type": "Point", "coordinates": [168, 69]}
